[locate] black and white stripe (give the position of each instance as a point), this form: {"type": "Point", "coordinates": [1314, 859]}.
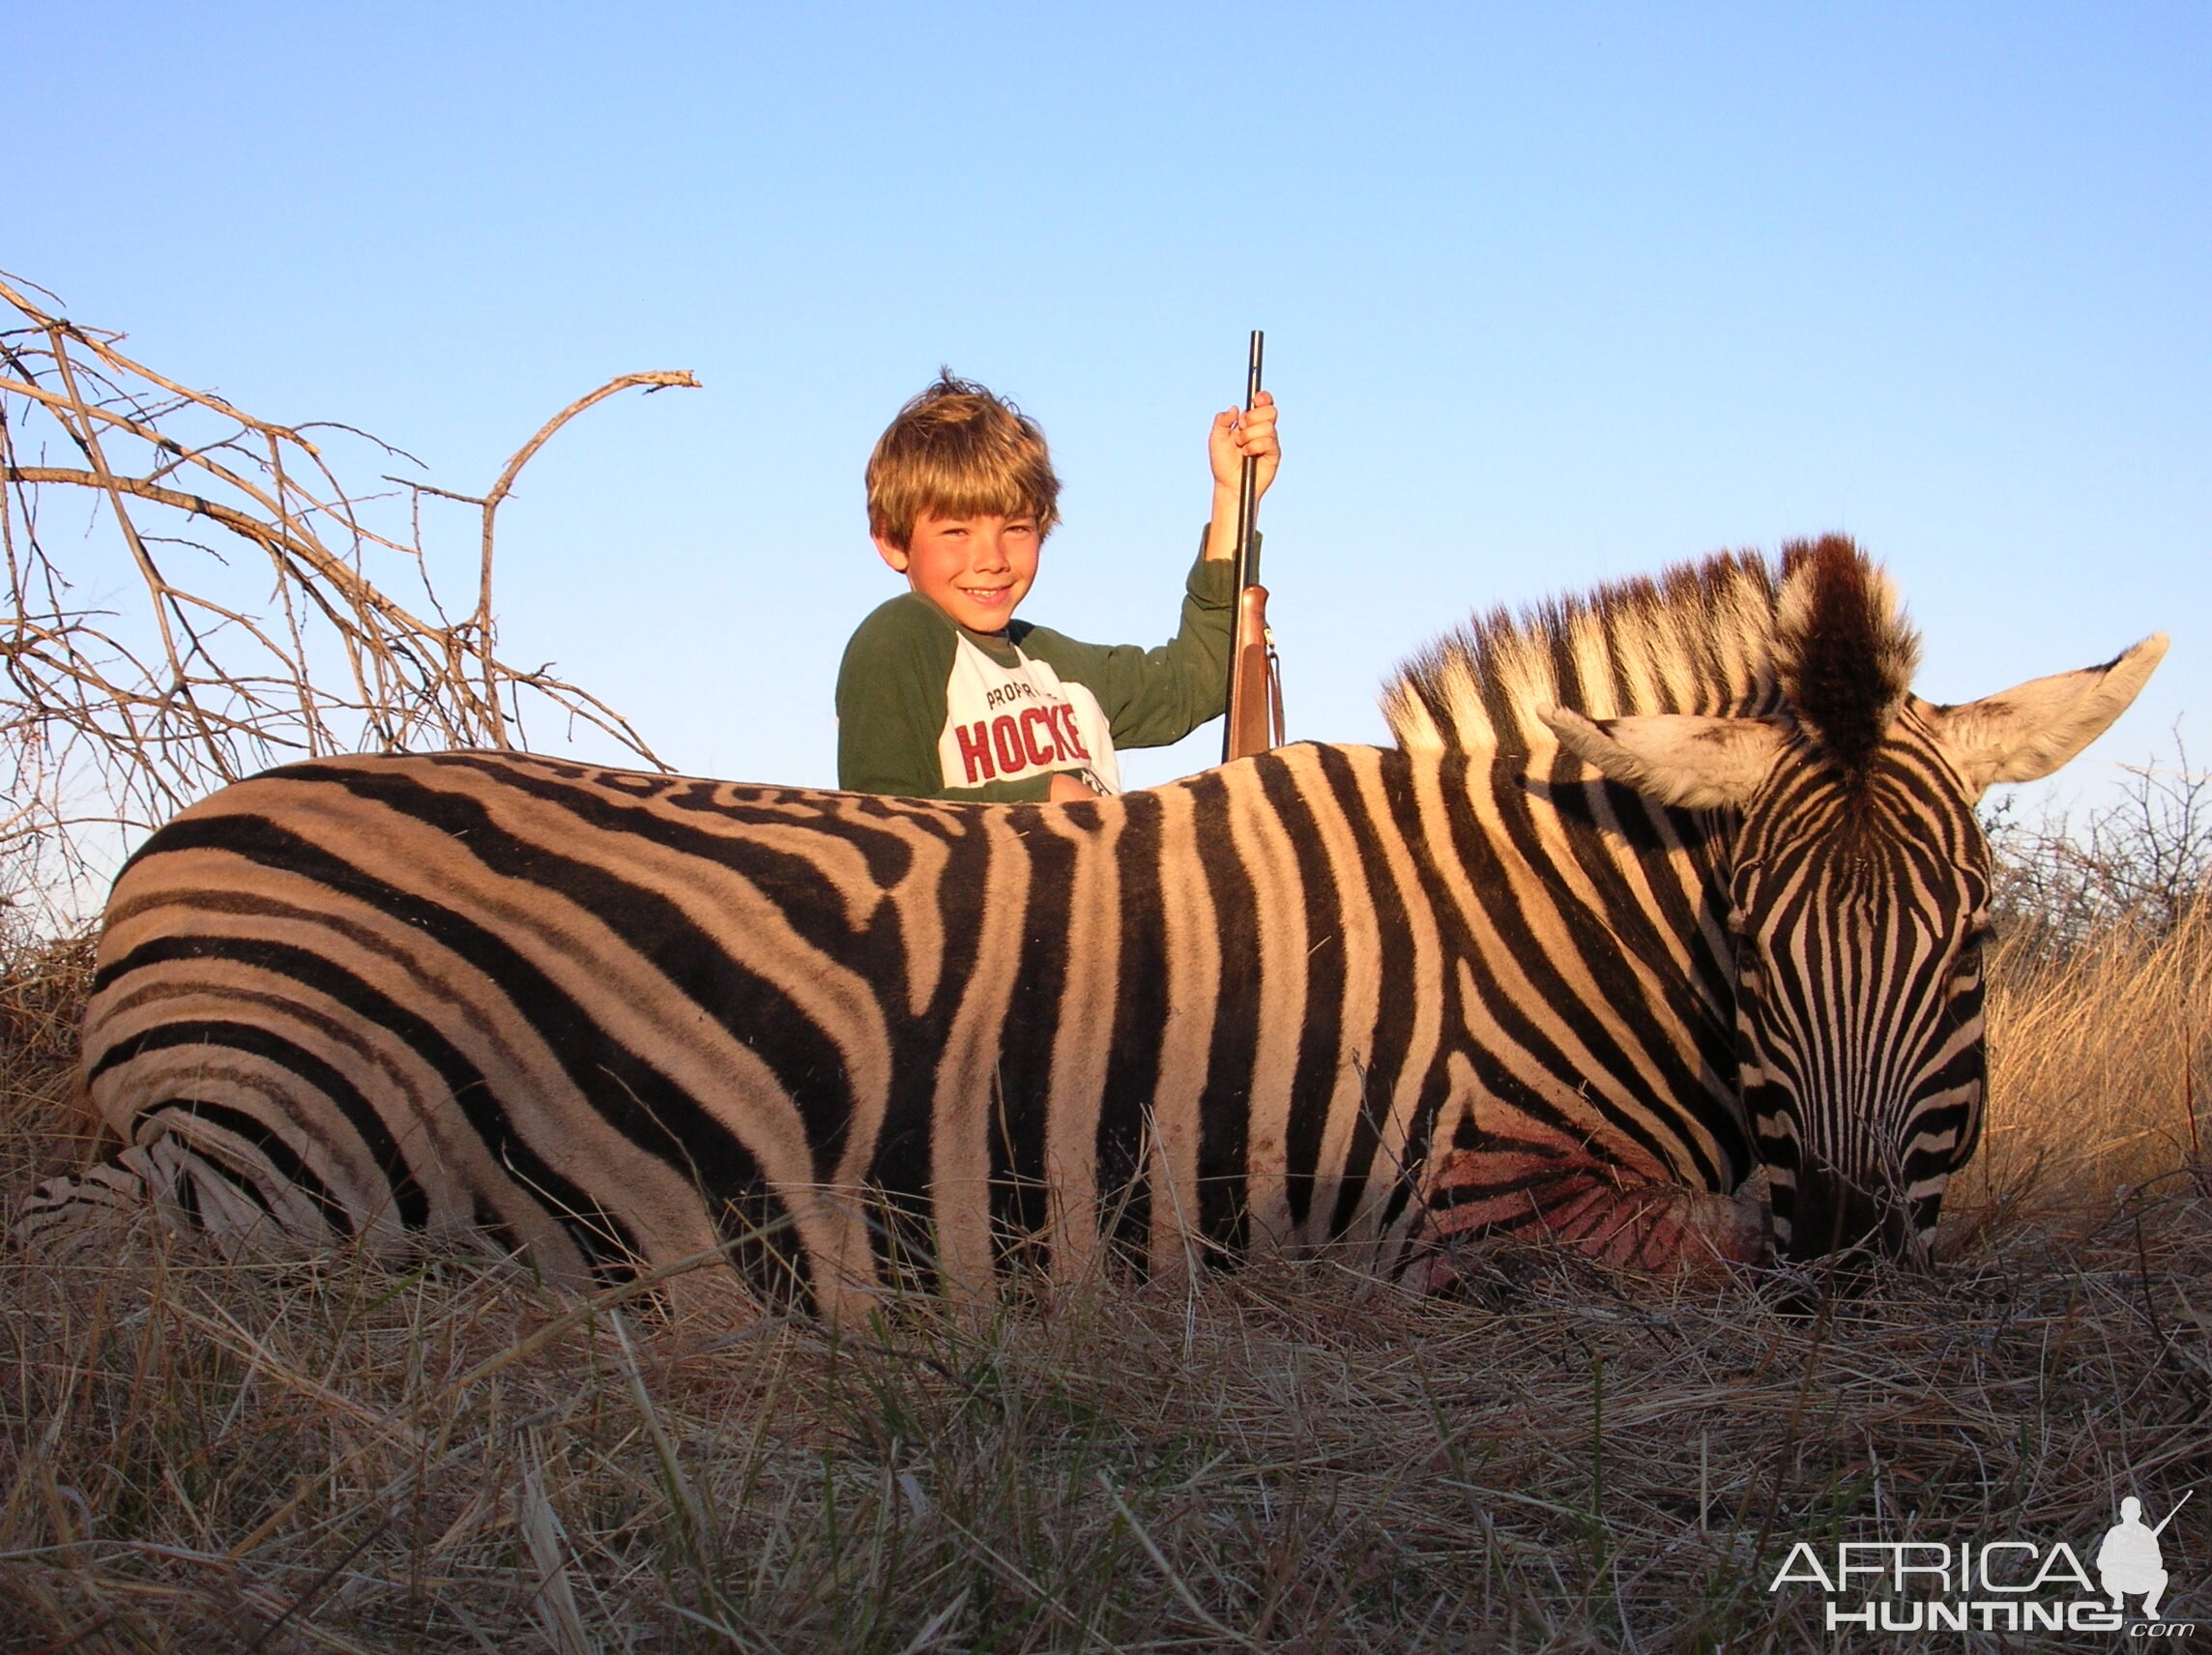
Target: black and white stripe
{"type": "Point", "coordinates": [1330, 995]}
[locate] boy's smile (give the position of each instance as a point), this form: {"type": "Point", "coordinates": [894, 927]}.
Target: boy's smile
{"type": "Point", "coordinates": [978, 568]}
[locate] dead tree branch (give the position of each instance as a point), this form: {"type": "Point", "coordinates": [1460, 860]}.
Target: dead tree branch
{"type": "Point", "coordinates": [653, 382]}
{"type": "Point", "coordinates": [142, 666]}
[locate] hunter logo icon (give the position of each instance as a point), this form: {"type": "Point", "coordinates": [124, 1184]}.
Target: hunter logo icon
{"type": "Point", "coordinates": [2129, 1560]}
{"type": "Point", "coordinates": [2004, 1583]}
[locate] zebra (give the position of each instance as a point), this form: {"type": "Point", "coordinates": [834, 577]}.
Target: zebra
{"type": "Point", "coordinates": [1662, 885]}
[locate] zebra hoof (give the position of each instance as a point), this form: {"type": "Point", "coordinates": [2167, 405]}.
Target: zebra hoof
{"type": "Point", "coordinates": [93, 1216]}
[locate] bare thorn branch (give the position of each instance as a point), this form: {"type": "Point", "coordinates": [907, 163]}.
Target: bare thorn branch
{"type": "Point", "coordinates": [114, 717]}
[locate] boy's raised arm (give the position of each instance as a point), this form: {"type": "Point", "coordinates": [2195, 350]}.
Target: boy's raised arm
{"type": "Point", "coordinates": [1157, 696]}
{"type": "Point", "coordinates": [1152, 697]}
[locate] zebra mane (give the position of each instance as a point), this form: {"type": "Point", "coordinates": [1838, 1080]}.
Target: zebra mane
{"type": "Point", "coordinates": [1822, 636]}
{"type": "Point", "coordinates": [1842, 651]}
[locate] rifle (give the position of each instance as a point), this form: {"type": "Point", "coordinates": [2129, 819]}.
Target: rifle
{"type": "Point", "coordinates": [2172, 1515]}
{"type": "Point", "coordinates": [1255, 682]}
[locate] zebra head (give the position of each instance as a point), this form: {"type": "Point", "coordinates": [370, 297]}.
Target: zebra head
{"type": "Point", "coordinates": [1857, 890]}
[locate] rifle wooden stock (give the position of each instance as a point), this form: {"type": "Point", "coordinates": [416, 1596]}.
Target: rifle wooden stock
{"type": "Point", "coordinates": [1255, 696]}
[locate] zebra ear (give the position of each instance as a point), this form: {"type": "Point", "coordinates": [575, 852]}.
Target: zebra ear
{"type": "Point", "coordinates": [2025, 733]}
{"type": "Point", "coordinates": [1701, 763]}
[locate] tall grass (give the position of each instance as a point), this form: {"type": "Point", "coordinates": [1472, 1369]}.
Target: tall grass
{"type": "Point", "coordinates": [200, 1455]}
{"type": "Point", "coordinates": [2099, 1062]}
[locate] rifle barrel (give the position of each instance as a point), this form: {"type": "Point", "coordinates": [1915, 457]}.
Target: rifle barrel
{"type": "Point", "coordinates": [1248, 484]}
{"type": "Point", "coordinates": [2174, 1513]}
{"type": "Point", "coordinates": [1247, 554]}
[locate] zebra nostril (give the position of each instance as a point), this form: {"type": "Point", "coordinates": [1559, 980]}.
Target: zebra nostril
{"type": "Point", "coordinates": [1834, 1213]}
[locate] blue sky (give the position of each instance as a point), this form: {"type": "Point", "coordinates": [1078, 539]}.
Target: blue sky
{"type": "Point", "coordinates": [1553, 293]}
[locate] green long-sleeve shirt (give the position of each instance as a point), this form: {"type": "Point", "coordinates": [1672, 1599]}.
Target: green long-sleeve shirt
{"type": "Point", "coordinates": [928, 709]}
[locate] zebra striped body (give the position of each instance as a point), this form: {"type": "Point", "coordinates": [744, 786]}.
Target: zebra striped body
{"type": "Point", "coordinates": [1330, 995]}
{"type": "Point", "coordinates": [570, 1003]}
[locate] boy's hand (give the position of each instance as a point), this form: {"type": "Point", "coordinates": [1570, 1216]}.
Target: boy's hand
{"type": "Point", "coordinates": [1068, 788]}
{"type": "Point", "coordinates": [1240, 434]}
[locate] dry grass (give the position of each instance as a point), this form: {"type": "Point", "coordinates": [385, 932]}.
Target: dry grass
{"type": "Point", "coordinates": [196, 1455]}
{"type": "Point", "coordinates": [42, 989]}
{"type": "Point", "coordinates": [2100, 1056]}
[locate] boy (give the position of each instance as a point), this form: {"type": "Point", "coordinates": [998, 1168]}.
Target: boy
{"type": "Point", "coordinates": [944, 694]}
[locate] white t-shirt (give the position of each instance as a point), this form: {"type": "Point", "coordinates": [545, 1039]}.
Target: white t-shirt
{"type": "Point", "coordinates": [1002, 723]}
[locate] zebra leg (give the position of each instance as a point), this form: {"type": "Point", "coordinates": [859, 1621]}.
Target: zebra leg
{"type": "Point", "coordinates": [1543, 1185]}
{"type": "Point", "coordinates": [242, 1207]}
{"type": "Point", "coordinates": [70, 1216]}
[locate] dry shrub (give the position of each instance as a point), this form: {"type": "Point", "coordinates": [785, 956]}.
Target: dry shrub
{"type": "Point", "coordinates": [192, 594]}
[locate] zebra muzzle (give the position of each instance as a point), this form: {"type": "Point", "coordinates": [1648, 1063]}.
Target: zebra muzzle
{"type": "Point", "coordinates": [1835, 1213]}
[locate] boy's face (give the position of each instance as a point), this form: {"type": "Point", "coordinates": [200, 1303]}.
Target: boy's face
{"type": "Point", "coordinates": [975, 569]}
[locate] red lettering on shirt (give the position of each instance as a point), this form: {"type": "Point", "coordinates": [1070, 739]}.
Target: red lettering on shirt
{"type": "Point", "coordinates": [1006, 741]}
{"type": "Point", "coordinates": [1032, 718]}
{"type": "Point", "coordinates": [976, 749]}
{"type": "Point", "coordinates": [1070, 737]}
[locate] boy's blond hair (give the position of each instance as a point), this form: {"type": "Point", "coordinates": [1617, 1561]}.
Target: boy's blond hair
{"type": "Point", "coordinates": [956, 450]}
